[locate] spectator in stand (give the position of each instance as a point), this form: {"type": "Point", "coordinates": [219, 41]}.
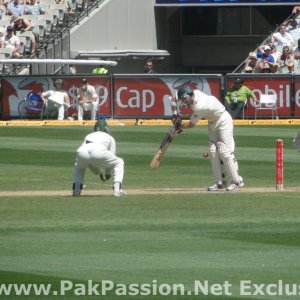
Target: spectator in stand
{"type": "Point", "coordinates": [286, 61]}
{"type": "Point", "coordinates": [296, 10]}
{"type": "Point", "coordinates": [282, 38]}
{"type": "Point", "coordinates": [292, 27]}
{"type": "Point", "coordinates": [12, 42]}
{"type": "Point", "coordinates": [2, 37]}
{"type": "Point", "coordinates": [3, 8]}
{"type": "Point", "coordinates": [149, 69]}
{"type": "Point", "coordinates": [265, 56]}
{"type": "Point", "coordinates": [15, 9]}
{"type": "Point", "coordinates": [297, 58]}
{"type": "Point", "coordinates": [294, 30]}
{"type": "Point", "coordinates": [297, 51]}
{"type": "Point", "coordinates": [266, 68]}
{"type": "Point", "coordinates": [248, 70]}
{"type": "Point", "coordinates": [274, 51]}
{"type": "Point", "coordinates": [149, 66]}
{"type": "Point", "coordinates": [22, 24]}
{"type": "Point", "coordinates": [34, 8]}
{"type": "Point", "coordinates": [252, 62]}
{"type": "Point", "coordinates": [71, 6]}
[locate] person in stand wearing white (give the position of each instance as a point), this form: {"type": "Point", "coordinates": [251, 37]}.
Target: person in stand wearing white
{"type": "Point", "coordinates": [11, 41]}
{"type": "Point", "coordinates": [57, 99]}
{"type": "Point", "coordinates": [87, 100]}
{"type": "Point", "coordinates": [282, 38]}
{"type": "Point", "coordinates": [220, 133]}
{"type": "Point", "coordinates": [98, 153]}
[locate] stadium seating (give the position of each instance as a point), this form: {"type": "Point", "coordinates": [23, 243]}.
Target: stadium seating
{"type": "Point", "coordinates": [294, 32]}
{"type": "Point", "coordinates": [27, 41]}
{"type": "Point", "coordinates": [5, 53]}
{"type": "Point", "coordinates": [47, 26]}
{"type": "Point", "coordinates": [48, 21]}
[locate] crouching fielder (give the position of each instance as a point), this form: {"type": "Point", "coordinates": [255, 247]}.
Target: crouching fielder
{"type": "Point", "coordinates": [220, 132]}
{"type": "Point", "coordinates": [98, 153]}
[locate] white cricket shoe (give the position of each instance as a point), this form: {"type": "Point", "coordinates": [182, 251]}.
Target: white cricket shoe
{"type": "Point", "coordinates": [119, 193]}
{"type": "Point", "coordinates": [217, 186]}
{"type": "Point", "coordinates": [241, 182]}
{"type": "Point", "coordinates": [234, 186]}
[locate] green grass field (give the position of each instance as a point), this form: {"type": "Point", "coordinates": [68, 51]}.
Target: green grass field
{"type": "Point", "coordinates": [148, 239]}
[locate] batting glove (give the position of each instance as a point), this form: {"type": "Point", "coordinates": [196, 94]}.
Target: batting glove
{"type": "Point", "coordinates": [175, 117]}
{"type": "Point", "coordinates": [178, 125]}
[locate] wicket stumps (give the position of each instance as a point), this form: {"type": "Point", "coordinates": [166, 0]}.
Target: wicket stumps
{"type": "Point", "coordinates": [279, 165]}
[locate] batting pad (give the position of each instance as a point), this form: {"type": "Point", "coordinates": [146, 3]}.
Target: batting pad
{"type": "Point", "coordinates": [229, 162]}
{"type": "Point", "coordinates": [77, 187]}
{"type": "Point", "coordinates": [215, 163]}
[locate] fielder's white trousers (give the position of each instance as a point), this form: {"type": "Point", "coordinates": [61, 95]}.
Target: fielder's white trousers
{"type": "Point", "coordinates": [96, 157]}
{"type": "Point", "coordinates": [53, 105]}
{"type": "Point", "coordinates": [92, 107]}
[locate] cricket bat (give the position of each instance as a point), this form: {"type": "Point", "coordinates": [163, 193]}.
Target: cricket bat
{"type": "Point", "coordinates": [162, 149]}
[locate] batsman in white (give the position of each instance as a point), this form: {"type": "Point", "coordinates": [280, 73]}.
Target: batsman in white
{"type": "Point", "coordinates": [57, 98]}
{"type": "Point", "coordinates": [220, 133]}
{"type": "Point", "coordinates": [98, 153]}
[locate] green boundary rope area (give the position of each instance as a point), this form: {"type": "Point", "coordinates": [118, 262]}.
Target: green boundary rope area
{"type": "Point", "coordinates": [120, 122]}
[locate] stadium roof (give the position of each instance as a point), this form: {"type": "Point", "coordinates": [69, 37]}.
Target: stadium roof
{"type": "Point", "coordinates": [126, 53]}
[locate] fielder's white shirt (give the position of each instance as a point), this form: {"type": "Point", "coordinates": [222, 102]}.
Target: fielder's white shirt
{"type": "Point", "coordinates": [56, 96]}
{"type": "Point", "coordinates": [89, 94]}
{"type": "Point", "coordinates": [102, 139]}
{"type": "Point", "coordinates": [206, 107]}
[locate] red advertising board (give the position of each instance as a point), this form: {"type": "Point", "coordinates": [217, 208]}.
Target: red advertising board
{"type": "Point", "coordinates": [15, 89]}
{"type": "Point", "coordinates": [148, 97]}
{"type": "Point", "coordinates": [296, 96]}
{"type": "Point", "coordinates": [279, 85]}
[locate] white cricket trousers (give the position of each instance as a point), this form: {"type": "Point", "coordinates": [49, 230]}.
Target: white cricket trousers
{"type": "Point", "coordinates": [222, 131]}
{"type": "Point", "coordinates": [92, 107]}
{"type": "Point", "coordinates": [60, 107]}
{"type": "Point", "coordinates": [96, 157]}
